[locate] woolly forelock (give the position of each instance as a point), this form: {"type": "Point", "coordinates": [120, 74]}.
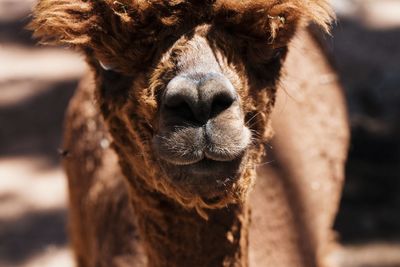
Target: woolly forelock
{"type": "Point", "coordinates": [125, 33]}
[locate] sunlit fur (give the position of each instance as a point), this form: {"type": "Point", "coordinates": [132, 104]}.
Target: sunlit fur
{"type": "Point", "coordinates": [134, 28]}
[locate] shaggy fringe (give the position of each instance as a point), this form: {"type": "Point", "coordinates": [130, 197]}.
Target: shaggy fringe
{"type": "Point", "coordinates": [125, 33]}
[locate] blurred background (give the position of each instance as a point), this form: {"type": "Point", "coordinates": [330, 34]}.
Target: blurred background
{"type": "Point", "coordinates": [36, 84]}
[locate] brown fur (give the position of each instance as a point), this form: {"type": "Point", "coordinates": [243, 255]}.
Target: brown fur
{"type": "Point", "coordinates": [143, 41]}
{"type": "Point", "coordinates": [115, 28]}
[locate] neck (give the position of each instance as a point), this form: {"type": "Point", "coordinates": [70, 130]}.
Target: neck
{"type": "Point", "coordinates": [174, 236]}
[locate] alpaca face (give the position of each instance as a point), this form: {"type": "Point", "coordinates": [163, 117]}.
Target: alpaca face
{"type": "Point", "coordinates": [203, 134]}
{"type": "Point", "coordinates": [186, 87]}
{"type": "Point", "coordinates": [201, 113]}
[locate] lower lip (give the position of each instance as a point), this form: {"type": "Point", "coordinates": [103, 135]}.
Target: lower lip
{"type": "Point", "coordinates": [207, 166]}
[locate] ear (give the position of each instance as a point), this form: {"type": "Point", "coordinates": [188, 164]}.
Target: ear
{"type": "Point", "coordinates": [275, 20]}
{"type": "Point", "coordinates": [287, 15]}
{"type": "Point", "coordinates": [318, 12]}
{"type": "Point", "coordinates": [61, 22]}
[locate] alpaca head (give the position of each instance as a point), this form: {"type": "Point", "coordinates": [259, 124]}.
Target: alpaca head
{"type": "Point", "coordinates": [186, 87]}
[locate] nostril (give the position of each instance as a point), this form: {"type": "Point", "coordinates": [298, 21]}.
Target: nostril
{"type": "Point", "coordinates": [178, 106]}
{"type": "Point", "coordinates": [174, 101]}
{"type": "Point", "coordinates": [221, 102]}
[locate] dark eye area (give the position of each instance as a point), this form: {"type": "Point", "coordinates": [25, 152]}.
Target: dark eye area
{"type": "Point", "coordinates": [278, 53]}
{"type": "Point", "coordinates": [264, 64]}
{"type": "Point", "coordinates": [264, 54]}
{"type": "Point", "coordinates": [113, 83]}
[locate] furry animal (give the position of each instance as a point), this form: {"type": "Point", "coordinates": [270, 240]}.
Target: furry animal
{"type": "Point", "coordinates": [167, 131]}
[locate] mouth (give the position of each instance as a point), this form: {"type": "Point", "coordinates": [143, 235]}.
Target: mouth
{"type": "Point", "coordinates": [207, 178]}
{"type": "Point", "coordinates": [200, 158]}
{"type": "Point", "coordinates": [200, 164]}
{"type": "Point", "coordinates": [207, 166]}
{"type": "Point", "coordinates": [204, 163]}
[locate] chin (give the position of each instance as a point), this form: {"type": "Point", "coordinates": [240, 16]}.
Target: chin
{"type": "Point", "coordinates": [210, 182]}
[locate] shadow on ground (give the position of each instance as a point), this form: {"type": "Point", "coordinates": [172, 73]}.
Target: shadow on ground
{"type": "Point", "coordinates": [30, 128]}
{"type": "Point", "coordinates": [368, 64]}
{"type": "Point", "coordinates": [30, 234]}
{"type": "Point", "coordinates": [15, 32]}
{"type": "Point", "coordinates": [34, 126]}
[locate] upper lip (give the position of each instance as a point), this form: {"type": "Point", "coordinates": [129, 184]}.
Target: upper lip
{"type": "Point", "coordinates": [202, 155]}
{"type": "Point", "coordinates": [190, 145]}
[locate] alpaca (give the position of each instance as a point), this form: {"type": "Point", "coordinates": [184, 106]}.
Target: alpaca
{"type": "Point", "coordinates": [167, 132]}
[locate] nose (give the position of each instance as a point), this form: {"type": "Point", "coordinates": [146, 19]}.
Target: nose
{"type": "Point", "coordinates": [198, 97]}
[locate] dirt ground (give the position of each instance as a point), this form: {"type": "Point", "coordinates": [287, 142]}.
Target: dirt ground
{"type": "Point", "coordinates": [36, 84]}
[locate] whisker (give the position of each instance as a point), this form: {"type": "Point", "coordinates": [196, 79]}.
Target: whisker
{"type": "Point", "coordinates": [265, 163]}
{"type": "Point", "coordinates": [269, 145]}
{"type": "Point", "coordinates": [253, 117]}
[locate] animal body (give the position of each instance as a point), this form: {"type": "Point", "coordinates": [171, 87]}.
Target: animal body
{"type": "Point", "coordinates": [206, 133]}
